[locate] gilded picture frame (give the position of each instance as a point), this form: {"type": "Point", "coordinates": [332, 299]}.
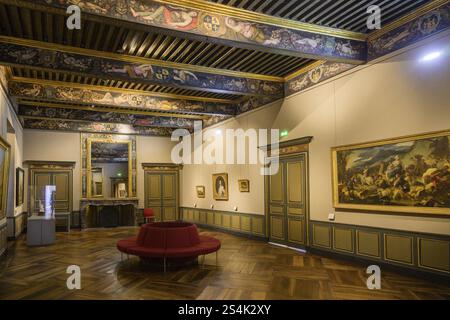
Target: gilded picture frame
{"type": "Point", "coordinates": [244, 185]}
{"type": "Point", "coordinates": [220, 186]}
{"type": "Point", "coordinates": [200, 191]}
{"type": "Point", "coordinates": [20, 186]}
{"type": "Point", "coordinates": [406, 175]}
{"type": "Point", "coordinates": [4, 175]}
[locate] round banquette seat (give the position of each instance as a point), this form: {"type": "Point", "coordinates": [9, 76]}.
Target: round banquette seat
{"type": "Point", "coordinates": [168, 240]}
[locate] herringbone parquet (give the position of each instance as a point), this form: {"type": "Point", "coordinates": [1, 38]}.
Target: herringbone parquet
{"type": "Point", "coordinates": [247, 269]}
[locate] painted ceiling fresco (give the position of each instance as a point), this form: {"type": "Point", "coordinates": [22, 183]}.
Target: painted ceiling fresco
{"type": "Point", "coordinates": [144, 67]}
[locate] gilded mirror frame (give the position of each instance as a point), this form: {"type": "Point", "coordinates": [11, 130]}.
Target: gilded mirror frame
{"type": "Point", "coordinates": [5, 178]}
{"type": "Point", "coordinates": [89, 142]}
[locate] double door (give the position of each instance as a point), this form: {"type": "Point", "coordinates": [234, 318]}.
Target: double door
{"type": "Point", "coordinates": [161, 194]}
{"type": "Point", "coordinates": [62, 179]}
{"type": "Point", "coordinates": [287, 205]}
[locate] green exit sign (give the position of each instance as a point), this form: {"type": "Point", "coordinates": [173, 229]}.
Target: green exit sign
{"type": "Point", "coordinates": [284, 133]}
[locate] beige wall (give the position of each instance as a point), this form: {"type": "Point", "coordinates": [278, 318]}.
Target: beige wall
{"type": "Point", "coordinates": [150, 150]}
{"type": "Point", "coordinates": [196, 175]}
{"type": "Point", "coordinates": [396, 97]}
{"type": "Point", "coordinates": [55, 146]}
{"type": "Point", "coordinates": [66, 146]}
{"type": "Point", "coordinates": [400, 96]}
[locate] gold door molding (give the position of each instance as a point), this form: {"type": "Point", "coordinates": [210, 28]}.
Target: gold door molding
{"type": "Point", "coordinates": [287, 192]}
{"type": "Point", "coordinates": [161, 189]}
{"type": "Point", "coordinates": [59, 173]}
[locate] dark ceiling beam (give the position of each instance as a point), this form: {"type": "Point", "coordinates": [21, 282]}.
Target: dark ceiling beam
{"type": "Point", "coordinates": [107, 96]}
{"type": "Point", "coordinates": [50, 57]}
{"type": "Point", "coordinates": [221, 24]}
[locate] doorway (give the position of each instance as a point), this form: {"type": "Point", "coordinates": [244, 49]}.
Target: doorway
{"type": "Point", "coordinates": [288, 201]}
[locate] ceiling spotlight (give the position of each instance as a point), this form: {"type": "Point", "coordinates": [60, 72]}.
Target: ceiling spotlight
{"type": "Point", "coordinates": [218, 132]}
{"type": "Point", "coordinates": [431, 56]}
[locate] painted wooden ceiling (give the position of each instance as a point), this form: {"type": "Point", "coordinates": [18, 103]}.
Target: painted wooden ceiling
{"type": "Point", "coordinates": [149, 67]}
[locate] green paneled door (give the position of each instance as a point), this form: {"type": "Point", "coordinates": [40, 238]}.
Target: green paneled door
{"type": "Point", "coordinates": [63, 182]}
{"type": "Point", "coordinates": [161, 190]}
{"type": "Point", "coordinates": [287, 205]}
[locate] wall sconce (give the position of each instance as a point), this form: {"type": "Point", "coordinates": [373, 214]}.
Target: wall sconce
{"type": "Point", "coordinates": [212, 206]}
{"type": "Point", "coordinates": [235, 208]}
{"type": "Point", "coordinates": [195, 205]}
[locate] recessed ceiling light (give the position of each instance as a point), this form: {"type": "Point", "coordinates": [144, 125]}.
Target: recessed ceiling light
{"type": "Point", "coordinates": [431, 56]}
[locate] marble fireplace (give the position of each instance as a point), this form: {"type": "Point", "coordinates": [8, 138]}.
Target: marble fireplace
{"type": "Point", "coordinates": [104, 213]}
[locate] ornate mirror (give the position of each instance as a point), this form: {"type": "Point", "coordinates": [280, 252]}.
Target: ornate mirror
{"type": "Point", "coordinates": [109, 169]}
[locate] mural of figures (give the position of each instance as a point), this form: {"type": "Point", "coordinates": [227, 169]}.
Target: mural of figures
{"type": "Point", "coordinates": [113, 117]}
{"type": "Point", "coordinates": [316, 75]}
{"type": "Point", "coordinates": [49, 124]}
{"type": "Point", "coordinates": [413, 31]}
{"type": "Point", "coordinates": [115, 98]}
{"type": "Point", "coordinates": [224, 27]}
{"type": "Point", "coordinates": [254, 103]}
{"type": "Point", "coordinates": [214, 119]}
{"type": "Point", "coordinates": [144, 72]}
{"type": "Point", "coordinates": [402, 175]}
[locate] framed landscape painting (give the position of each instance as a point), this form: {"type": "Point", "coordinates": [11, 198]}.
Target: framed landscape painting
{"type": "Point", "coordinates": [4, 170]}
{"type": "Point", "coordinates": [407, 175]}
{"type": "Point", "coordinates": [220, 186]}
{"type": "Point", "coordinates": [19, 186]}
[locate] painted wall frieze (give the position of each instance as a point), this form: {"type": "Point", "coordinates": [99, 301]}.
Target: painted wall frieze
{"type": "Point", "coordinates": [109, 117]}
{"type": "Point", "coordinates": [420, 28]}
{"type": "Point", "coordinates": [223, 28]}
{"type": "Point", "coordinates": [316, 75]}
{"type": "Point", "coordinates": [94, 127]}
{"type": "Point", "coordinates": [24, 55]}
{"type": "Point", "coordinates": [66, 93]}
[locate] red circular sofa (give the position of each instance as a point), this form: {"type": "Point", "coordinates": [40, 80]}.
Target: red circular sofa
{"type": "Point", "coordinates": [168, 240]}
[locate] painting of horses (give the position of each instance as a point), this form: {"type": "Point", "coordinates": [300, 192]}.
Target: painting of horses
{"type": "Point", "coordinates": [407, 175]}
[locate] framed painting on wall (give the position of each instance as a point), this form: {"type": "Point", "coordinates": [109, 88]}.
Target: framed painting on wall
{"type": "Point", "coordinates": [4, 170]}
{"type": "Point", "coordinates": [407, 175]}
{"type": "Point", "coordinates": [244, 185]}
{"type": "Point", "coordinates": [220, 186]}
{"type": "Point", "coordinates": [20, 181]}
{"type": "Point", "coordinates": [200, 191]}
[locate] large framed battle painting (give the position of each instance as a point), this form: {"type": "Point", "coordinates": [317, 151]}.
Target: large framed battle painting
{"type": "Point", "coordinates": [406, 175]}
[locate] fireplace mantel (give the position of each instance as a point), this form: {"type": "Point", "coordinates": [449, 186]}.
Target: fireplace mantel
{"type": "Point", "coordinates": [86, 202]}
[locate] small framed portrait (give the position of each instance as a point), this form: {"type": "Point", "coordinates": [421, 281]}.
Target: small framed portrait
{"type": "Point", "coordinates": [220, 186]}
{"type": "Point", "coordinates": [20, 173]}
{"type": "Point", "coordinates": [244, 185]}
{"type": "Point", "coordinates": [200, 191]}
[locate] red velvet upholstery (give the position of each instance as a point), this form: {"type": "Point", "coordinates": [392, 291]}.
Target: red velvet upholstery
{"type": "Point", "coordinates": [148, 212]}
{"type": "Point", "coordinates": [168, 240]}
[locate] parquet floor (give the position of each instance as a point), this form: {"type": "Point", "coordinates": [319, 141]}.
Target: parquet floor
{"type": "Point", "coordinates": [247, 269]}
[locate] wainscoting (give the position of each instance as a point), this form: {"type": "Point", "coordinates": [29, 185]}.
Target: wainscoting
{"type": "Point", "coordinates": [16, 225]}
{"type": "Point", "coordinates": [2, 239]}
{"type": "Point", "coordinates": [422, 252]}
{"type": "Point", "coordinates": [235, 222]}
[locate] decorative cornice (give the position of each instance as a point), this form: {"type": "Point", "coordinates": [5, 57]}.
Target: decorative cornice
{"type": "Point", "coordinates": [304, 69]}
{"type": "Point", "coordinates": [118, 90]}
{"type": "Point", "coordinates": [263, 18]}
{"type": "Point", "coordinates": [407, 18]}
{"type": "Point", "coordinates": [37, 164]}
{"type": "Point", "coordinates": [161, 166]}
{"type": "Point", "coordinates": [111, 109]}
